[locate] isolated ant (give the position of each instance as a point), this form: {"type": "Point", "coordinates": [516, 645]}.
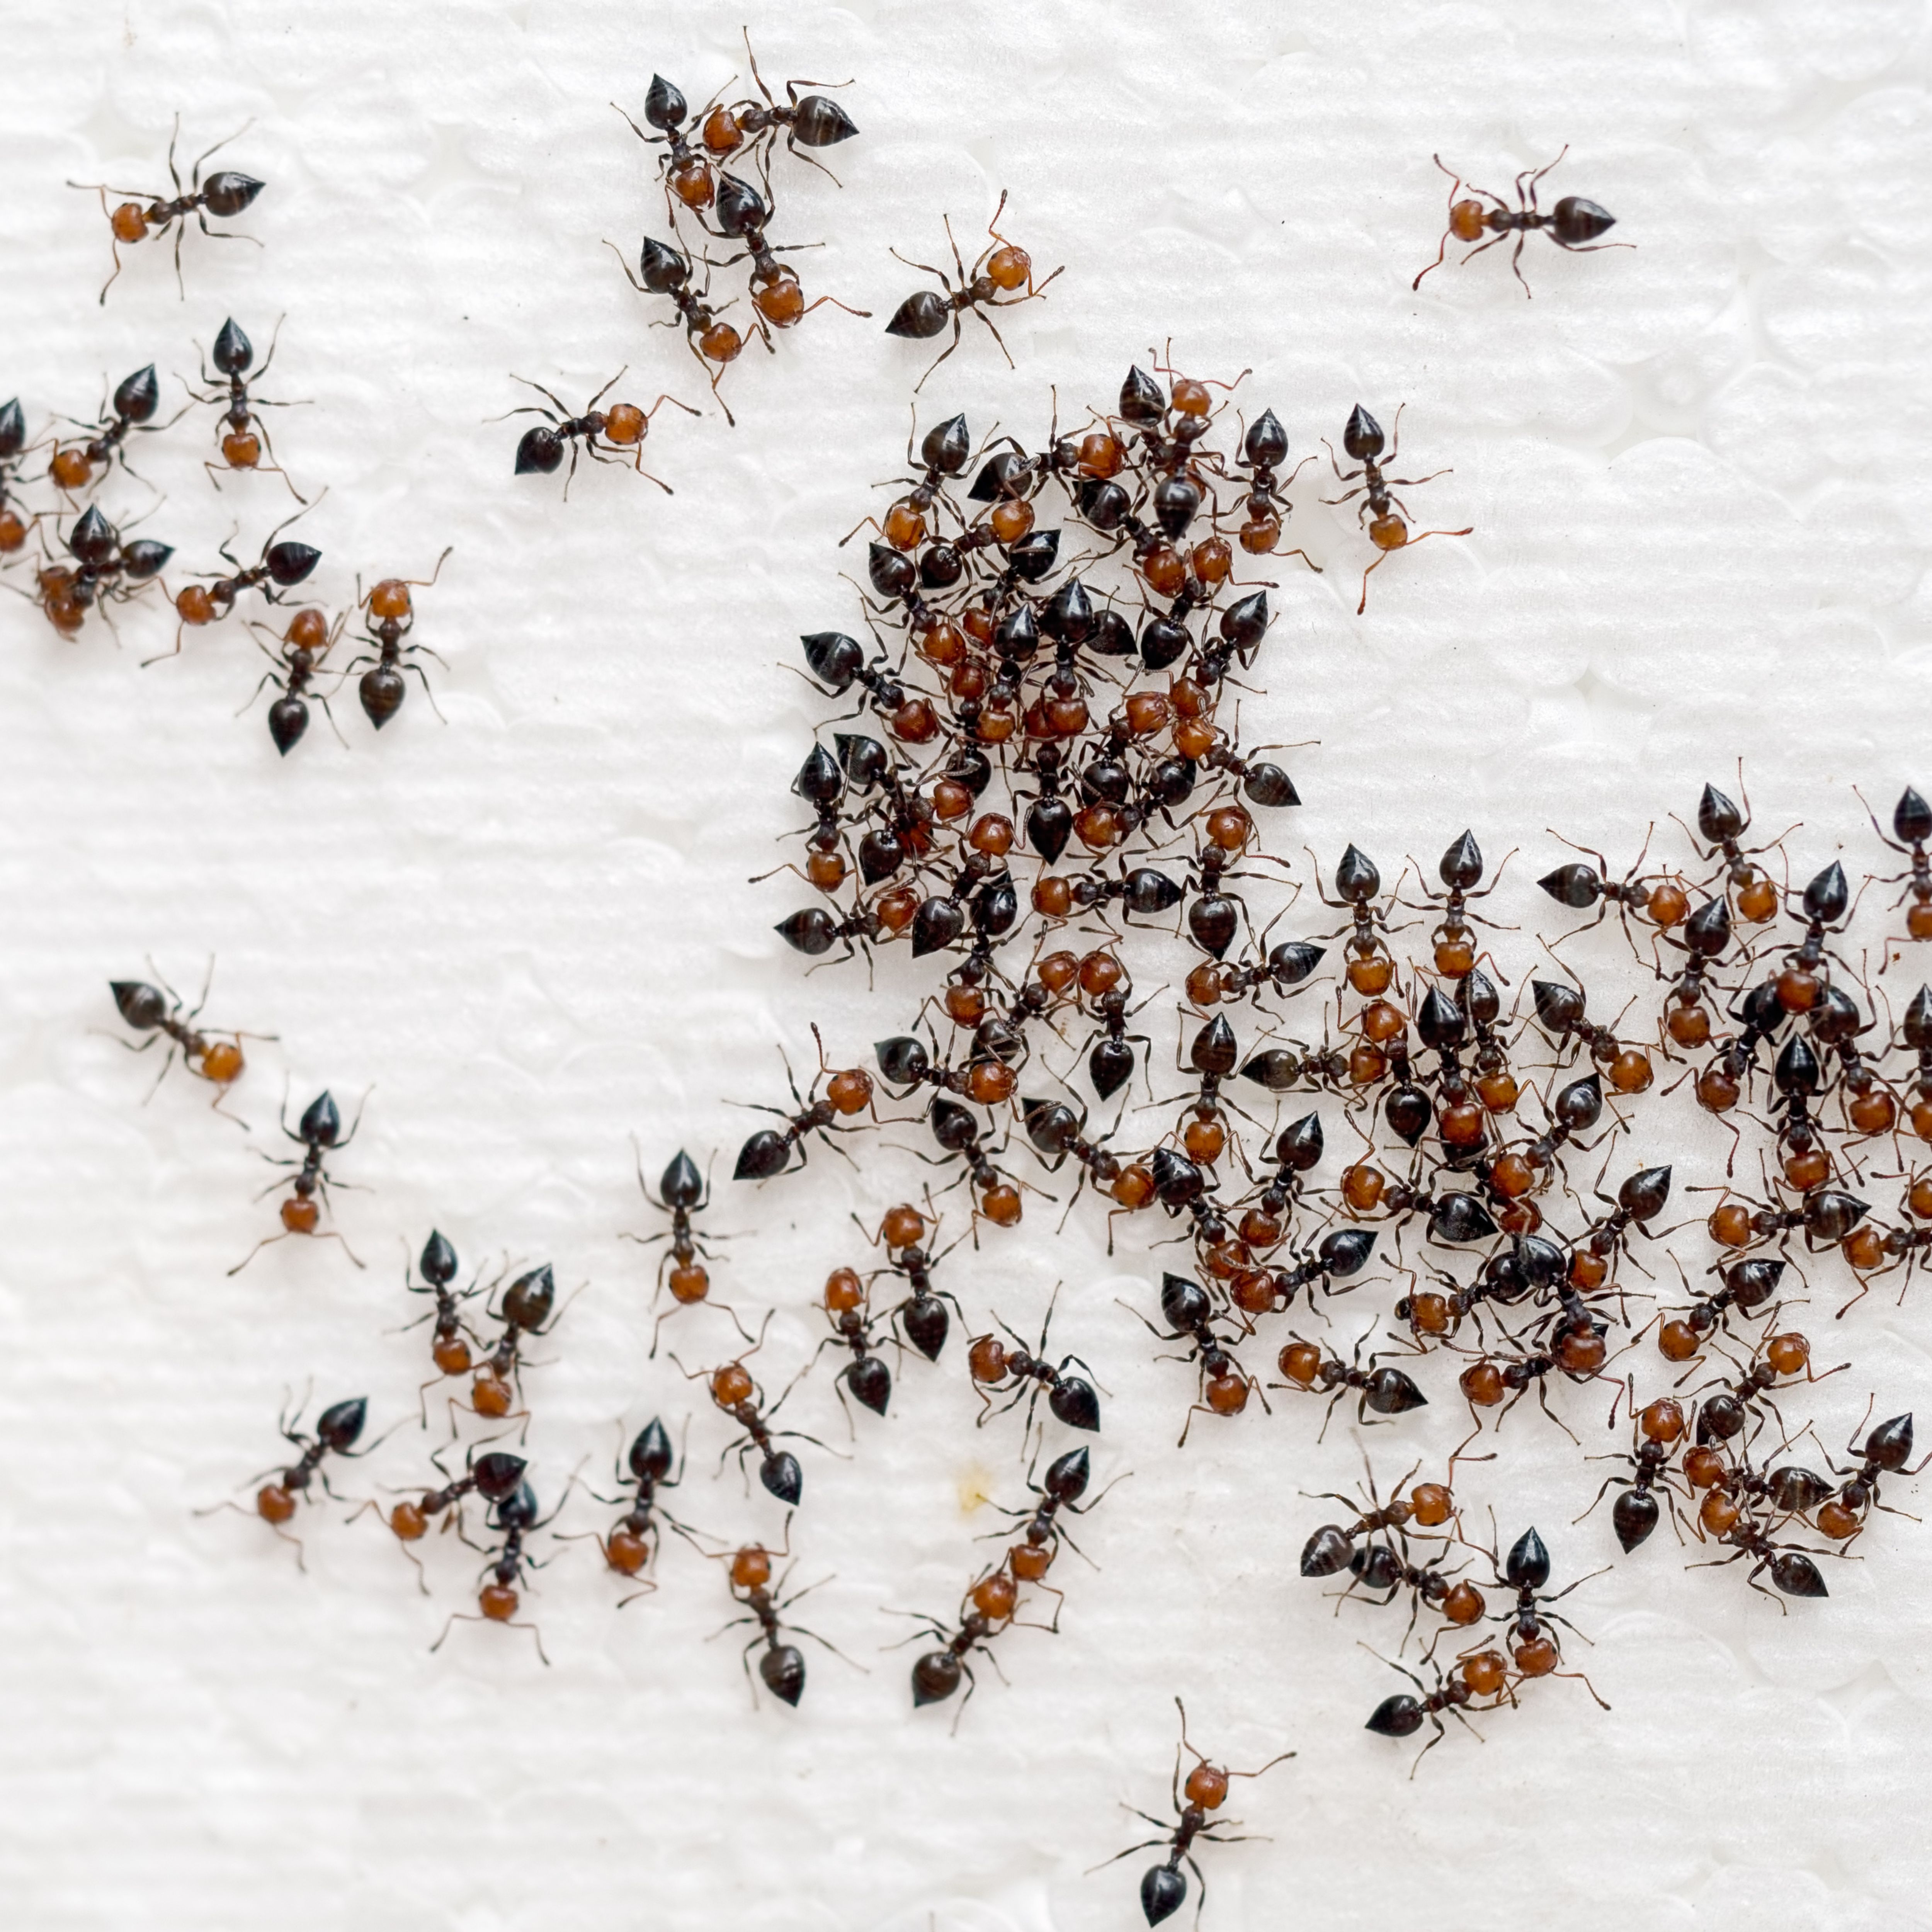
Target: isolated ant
{"type": "Point", "coordinates": [244, 434]}
{"type": "Point", "coordinates": [388, 616]}
{"type": "Point", "coordinates": [337, 1429]}
{"type": "Point", "coordinates": [1362, 440]}
{"type": "Point", "coordinates": [308, 639]}
{"type": "Point", "coordinates": [156, 1011]}
{"type": "Point", "coordinates": [868, 1379]}
{"type": "Point", "coordinates": [682, 1192]}
{"type": "Point", "coordinates": [318, 1134]}
{"type": "Point", "coordinates": [1574, 224]}
{"type": "Point", "coordinates": [999, 269]}
{"type": "Point", "coordinates": [1163, 1889]}
{"type": "Point", "coordinates": [225, 194]}
{"type": "Point", "coordinates": [922, 1314]}
{"type": "Point", "coordinates": [987, 1610]}
{"type": "Point", "coordinates": [540, 451]}
{"type": "Point", "coordinates": [782, 1667]}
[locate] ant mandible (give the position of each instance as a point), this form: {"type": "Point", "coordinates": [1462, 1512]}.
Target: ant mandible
{"type": "Point", "coordinates": [225, 195]}
{"type": "Point", "coordinates": [622, 426]}
{"type": "Point", "coordinates": [1574, 224]}
{"type": "Point", "coordinates": [318, 1134]}
{"type": "Point", "coordinates": [998, 269]}
{"type": "Point", "coordinates": [1362, 439]}
{"type": "Point", "coordinates": [244, 434]}
{"type": "Point", "coordinates": [390, 614]}
{"type": "Point", "coordinates": [1163, 1889]}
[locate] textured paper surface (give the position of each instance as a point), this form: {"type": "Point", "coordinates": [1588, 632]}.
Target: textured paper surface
{"type": "Point", "coordinates": [1695, 474]}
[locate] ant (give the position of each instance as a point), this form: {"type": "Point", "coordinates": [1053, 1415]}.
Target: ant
{"type": "Point", "coordinates": [1070, 1398]}
{"type": "Point", "coordinates": [1827, 1215]}
{"type": "Point", "coordinates": [1656, 1431]}
{"type": "Point", "coordinates": [1886, 1451]}
{"type": "Point", "coordinates": [389, 614]}
{"type": "Point", "coordinates": [1483, 1674]}
{"type": "Point", "coordinates": [734, 1389]}
{"type": "Point", "coordinates": [156, 1011]}
{"type": "Point", "coordinates": [957, 1133]}
{"type": "Point", "coordinates": [627, 1548]}
{"type": "Point", "coordinates": [1362, 440]}
{"type": "Point", "coordinates": [134, 403]}
{"type": "Point", "coordinates": [14, 527]}
{"type": "Point", "coordinates": [1707, 932]}
{"type": "Point", "coordinates": [1722, 824]}
{"type": "Point", "coordinates": [922, 1314]}
{"type": "Point", "coordinates": [682, 1192]}
{"type": "Point", "coordinates": [494, 1476]}
{"type": "Point", "coordinates": [1163, 1889]}
{"type": "Point", "coordinates": [224, 195]}
{"type": "Point", "coordinates": [1064, 1484]}
{"type": "Point", "coordinates": [1825, 903]}
{"type": "Point", "coordinates": [337, 1429]}
{"type": "Point", "coordinates": [622, 426]}
{"type": "Point", "coordinates": [244, 434]}
{"type": "Point", "coordinates": [868, 1379]}
{"type": "Point", "coordinates": [1265, 448]}
{"type": "Point", "coordinates": [1332, 1546]}
{"type": "Point", "coordinates": [687, 175]}
{"type": "Point", "coordinates": [782, 1667]}
{"type": "Point", "coordinates": [1388, 1391]}
{"type": "Point", "coordinates": [944, 451]}
{"type": "Point", "coordinates": [109, 571]}
{"type": "Point", "coordinates": [1574, 224]}
{"type": "Point", "coordinates": [663, 270]}
{"type": "Point", "coordinates": [281, 567]}
{"type": "Point", "coordinates": [1533, 1648]}
{"type": "Point", "coordinates": [526, 1310]}
{"type": "Point", "coordinates": [775, 294]}
{"type": "Point", "coordinates": [1747, 1285]}
{"type": "Point", "coordinates": [319, 1133]}
{"type": "Point", "coordinates": [1722, 1417]}
{"type": "Point", "coordinates": [309, 638]}
{"type": "Point", "coordinates": [449, 1350]}
{"type": "Point", "coordinates": [1911, 821]}
{"type": "Point", "coordinates": [998, 269]}
{"type": "Point", "coordinates": [515, 1516]}
{"type": "Point", "coordinates": [1577, 1352]}
{"type": "Point", "coordinates": [813, 122]}
{"type": "Point", "coordinates": [1579, 887]}
{"type": "Point", "coordinates": [768, 1153]}
{"type": "Point", "coordinates": [1189, 1313]}
{"type": "Point", "coordinates": [1790, 1566]}
{"type": "Point", "coordinates": [987, 1609]}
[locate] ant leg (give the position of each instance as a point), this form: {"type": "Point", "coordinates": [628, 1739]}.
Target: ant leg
{"type": "Point", "coordinates": [1515, 260]}
{"type": "Point", "coordinates": [946, 352]}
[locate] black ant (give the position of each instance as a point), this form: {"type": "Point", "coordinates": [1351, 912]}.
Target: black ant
{"type": "Point", "coordinates": [768, 1153]}
{"type": "Point", "coordinates": [999, 268]}
{"type": "Point", "coordinates": [515, 1516]}
{"type": "Point", "coordinates": [309, 638]}
{"type": "Point", "coordinates": [1483, 1674]}
{"type": "Point", "coordinates": [687, 178]}
{"type": "Point", "coordinates": [156, 1011]}
{"type": "Point", "coordinates": [1574, 224]}
{"type": "Point", "coordinates": [1070, 1398]}
{"type": "Point", "coordinates": [782, 1667]}
{"type": "Point", "coordinates": [629, 1545]}
{"type": "Point", "coordinates": [106, 571]}
{"type": "Point", "coordinates": [813, 122]}
{"type": "Point", "coordinates": [388, 616]}
{"type": "Point", "coordinates": [1656, 1430]}
{"type": "Point", "coordinates": [735, 1391]}
{"type": "Point", "coordinates": [448, 1348]}
{"type": "Point", "coordinates": [1911, 821]}
{"type": "Point", "coordinates": [682, 1192]}
{"type": "Point", "coordinates": [527, 1307]}
{"type": "Point", "coordinates": [775, 294]}
{"type": "Point", "coordinates": [224, 195]}
{"type": "Point", "coordinates": [623, 426]}
{"type": "Point", "coordinates": [1362, 440]}
{"type": "Point", "coordinates": [244, 434]}
{"type": "Point", "coordinates": [280, 567]}
{"type": "Point", "coordinates": [134, 403]}
{"type": "Point", "coordinates": [663, 270]}
{"type": "Point", "coordinates": [1163, 1889]}
{"type": "Point", "coordinates": [337, 1429]}
{"type": "Point", "coordinates": [318, 1134]}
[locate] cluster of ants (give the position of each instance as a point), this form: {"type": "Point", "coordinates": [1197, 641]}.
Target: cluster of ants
{"type": "Point", "coordinates": [97, 565]}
